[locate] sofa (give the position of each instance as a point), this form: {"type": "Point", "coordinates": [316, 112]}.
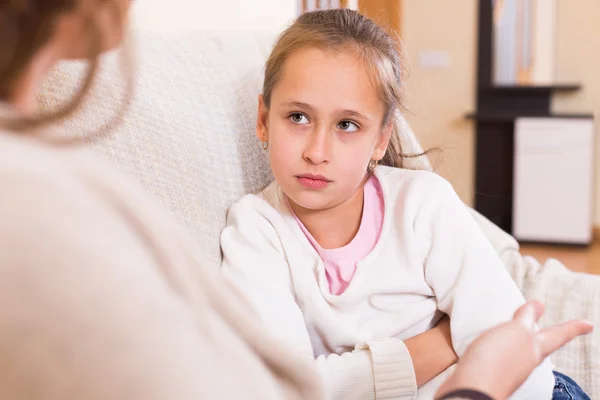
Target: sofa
{"type": "Point", "coordinates": [188, 137]}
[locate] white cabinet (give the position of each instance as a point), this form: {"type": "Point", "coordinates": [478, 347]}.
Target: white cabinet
{"type": "Point", "coordinates": [553, 180]}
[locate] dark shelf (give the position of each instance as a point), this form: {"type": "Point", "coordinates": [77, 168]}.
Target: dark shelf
{"type": "Point", "coordinates": [562, 87]}
{"type": "Point", "coordinates": [497, 108]}
{"type": "Point", "coordinates": [509, 117]}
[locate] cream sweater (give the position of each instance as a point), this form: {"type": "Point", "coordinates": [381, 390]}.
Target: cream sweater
{"type": "Point", "coordinates": [431, 258]}
{"type": "Point", "coordinates": [102, 295]}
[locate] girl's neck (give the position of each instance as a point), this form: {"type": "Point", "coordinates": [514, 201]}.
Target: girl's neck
{"type": "Point", "coordinates": [335, 227]}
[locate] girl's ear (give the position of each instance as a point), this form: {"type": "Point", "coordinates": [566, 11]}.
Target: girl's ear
{"type": "Point", "coordinates": [262, 120]}
{"type": "Point", "coordinates": [383, 141]}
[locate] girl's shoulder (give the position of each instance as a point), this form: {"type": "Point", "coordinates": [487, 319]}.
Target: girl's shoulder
{"type": "Point", "coordinates": [415, 183]}
{"type": "Point", "coordinates": [268, 203]}
{"type": "Point", "coordinates": [419, 197]}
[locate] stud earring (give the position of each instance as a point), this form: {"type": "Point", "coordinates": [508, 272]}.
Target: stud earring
{"type": "Point", "coordinates": [373, 165]}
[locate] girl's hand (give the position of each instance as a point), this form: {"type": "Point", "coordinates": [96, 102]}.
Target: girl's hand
{"type": "Point", "coordinates": [432, 352]}
{"type": "Point", "coordinates": [501, 359]}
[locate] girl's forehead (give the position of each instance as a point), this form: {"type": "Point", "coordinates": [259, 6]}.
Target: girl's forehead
{"type": "Point", "coordinates": [340, 75]}
{"type": "Point", "coordinates": [316, 57]}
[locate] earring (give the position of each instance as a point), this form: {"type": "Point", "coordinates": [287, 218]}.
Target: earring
{"type": "Point", "coordinates": [265, 145]}
{"type": "Point", "coordinates": [373, 165]}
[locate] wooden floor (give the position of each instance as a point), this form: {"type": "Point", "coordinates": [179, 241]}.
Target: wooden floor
{"type": "Point", "coordinates": [577, 259]}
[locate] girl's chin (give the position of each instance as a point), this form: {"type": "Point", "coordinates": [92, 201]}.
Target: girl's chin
{"type": "Point", "coordinates": [312, 201]}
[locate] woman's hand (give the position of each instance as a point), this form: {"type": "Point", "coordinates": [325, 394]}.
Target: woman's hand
{"type": "Point", "coordinates": [432, 352]}
{"type": "Point", "coordinates": [501, 359]}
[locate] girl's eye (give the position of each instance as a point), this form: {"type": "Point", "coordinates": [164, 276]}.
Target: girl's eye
{"type": "Point", "coordinates": [298, 118]}
{"type": "Point", "coordinates": [348, 126]}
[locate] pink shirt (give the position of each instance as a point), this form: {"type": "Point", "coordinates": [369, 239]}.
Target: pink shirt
{"type": "Point", "coordinates": [340, 263]}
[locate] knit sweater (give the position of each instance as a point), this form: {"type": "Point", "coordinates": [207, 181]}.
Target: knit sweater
{"type": "Point", "coordinates": [431, 259]}
{"type": "Point", "coordinates": [104, 296]}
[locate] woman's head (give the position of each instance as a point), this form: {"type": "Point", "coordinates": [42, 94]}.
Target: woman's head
{"type": "Point", "coordinates": [330, 105]}
{"type": "Point", "coordinates": [38, 33]}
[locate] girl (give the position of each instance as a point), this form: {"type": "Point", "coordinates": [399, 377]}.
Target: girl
{"type": "Point", "coordinates": [346, 259]}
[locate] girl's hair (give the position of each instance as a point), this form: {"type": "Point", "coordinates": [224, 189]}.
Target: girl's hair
{"type": "Point", "coordinates": [25, 28]}
{"type": "Point", "coordinates": [341, 30]}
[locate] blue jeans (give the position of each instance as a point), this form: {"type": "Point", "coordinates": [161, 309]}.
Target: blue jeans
{"type": "Point", "coordinates": [566, 388]}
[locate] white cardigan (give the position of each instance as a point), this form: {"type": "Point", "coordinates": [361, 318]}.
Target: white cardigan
{"type": "Point", "coordinates": [431, 259]}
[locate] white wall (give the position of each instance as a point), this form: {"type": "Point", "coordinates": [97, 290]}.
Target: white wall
{"type": "Point", "coordinates": [185, 15]}
{"type": "Point", "coordinates": [438, 98]}
{"type": "Point", "coordinates": [579, 62]}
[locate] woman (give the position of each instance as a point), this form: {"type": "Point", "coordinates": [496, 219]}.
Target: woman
{"type": "Point", "coordinates": [101, 295]}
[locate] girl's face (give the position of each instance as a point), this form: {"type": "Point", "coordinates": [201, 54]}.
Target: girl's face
{"type": "Point", "coordinates": [324, 126]}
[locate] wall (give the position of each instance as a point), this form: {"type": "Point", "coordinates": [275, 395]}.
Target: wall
{"type": "Point", "coordinates": [176, 15]}
{"type": "Point", "coordinates": [439, 97]}
{"type": "Point", "coordinates": [579, 62]}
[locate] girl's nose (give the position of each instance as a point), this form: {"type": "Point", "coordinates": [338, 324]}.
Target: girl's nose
{"type": "Point", "coordinates": [317, 150]}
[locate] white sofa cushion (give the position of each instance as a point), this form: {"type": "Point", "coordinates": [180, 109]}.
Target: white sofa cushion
{"type": "Point", "coordinates": [189, 134]}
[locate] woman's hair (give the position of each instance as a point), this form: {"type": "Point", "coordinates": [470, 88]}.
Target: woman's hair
{"type": "Point", "coordinates": [342, 30]}
{"type": "Point", "coordinates": [25, 28]}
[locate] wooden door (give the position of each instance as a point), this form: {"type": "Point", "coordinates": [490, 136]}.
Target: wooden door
{"type": "Point", "coordinates": [387, 13]}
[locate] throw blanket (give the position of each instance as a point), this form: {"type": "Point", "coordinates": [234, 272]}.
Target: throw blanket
{"type": "Point", "coordinates": [566, 294]}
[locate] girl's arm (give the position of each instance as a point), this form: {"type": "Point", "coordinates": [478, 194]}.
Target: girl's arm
{"type": "Point", "coordinates": [432, 352]}
{"type": "Point", "coordinates": [470, 282]}
{"type": "Point", "coordinates": [253, 258]}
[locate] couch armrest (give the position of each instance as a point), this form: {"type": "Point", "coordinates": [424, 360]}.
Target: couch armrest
{"type": "Point", "coordinates": [501, 240]}
{"type": "Point", "coordinates": [569, 295]}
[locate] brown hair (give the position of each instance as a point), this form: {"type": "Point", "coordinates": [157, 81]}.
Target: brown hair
{"type": "Point", "coordinates": [25, 27]}
{"type": "Point", "coordinates": [343, 29]}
